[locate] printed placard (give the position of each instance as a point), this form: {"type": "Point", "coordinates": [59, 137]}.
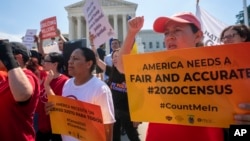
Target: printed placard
{"type": "Point", "coordinates": [78, 119]}
{"type": "Point", "coordinates": [49, 27]}
{"type": "Point", "coordinates": [197, 86]}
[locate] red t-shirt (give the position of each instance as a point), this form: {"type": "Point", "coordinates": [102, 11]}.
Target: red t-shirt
{"type": "Point", "coordinates": [170, 132]}
{"type": "Point", "coordinates": [16, 122]}
{"type": "Point", "coordinates": [43, 119]}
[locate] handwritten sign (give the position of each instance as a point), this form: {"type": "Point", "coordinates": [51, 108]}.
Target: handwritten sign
{"type": "Point", "coordinates": [78, 119]}
{"type": "Point", "coordinates": [28, 39]}
{"type": "Point", "coordinates": [197, 86]}
{"type": "Point", "coordinates": [49, 27]}
{"type": "Point", "coordinates": [97, 22]}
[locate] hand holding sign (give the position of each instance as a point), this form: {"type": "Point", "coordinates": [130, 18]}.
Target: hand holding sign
{"type": "Point", "coordinates": [97, 23]}
{"type": "Point", "coordinates": [78, 119]}
{"type": "Point", "coordinates": [243, 118]}
{"type": "Point", "coordinates": [49, 28]}
{"type": "Point", "coordinates": [199, 86]}
{"type": "Point", "coordinates": [28, 39]}
{"type": "Point", "coordinates": [48, 107]}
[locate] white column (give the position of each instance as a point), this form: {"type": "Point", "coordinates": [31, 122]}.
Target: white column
{"type": "Point", "coordinates": [245, 12]}
{"type": "Point", "coordinates": [124, 26]}
{"type": "Point", "coordinates": [107, 42]}
{"type": "Point", "coordinates": [79, 27]}
{"type": "Point", "coordinates": [71, 27]}
{"type": "Point", "coordinates": [87, 34]}
{"type": "Point", "coordinates": [115, 25]}
{"type": "Point", "coordinates": [133, 15]}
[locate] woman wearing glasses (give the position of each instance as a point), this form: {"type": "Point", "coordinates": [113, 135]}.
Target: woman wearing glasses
{"type": "Point", "coordinates": [118, 88]}
{"type": "Point", "coordinates": [235, 34]}
{"type": "Point", "coordinates": [53, 64]}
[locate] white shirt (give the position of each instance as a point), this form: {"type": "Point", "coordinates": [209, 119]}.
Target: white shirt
{"type": "Point", "coordinates": [94, 91]}
{"type": "Point", "coordinates": [108, 61]}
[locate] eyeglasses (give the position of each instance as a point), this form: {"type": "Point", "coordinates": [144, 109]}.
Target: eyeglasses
{"type": "Point", "coordinates": [230, 36]}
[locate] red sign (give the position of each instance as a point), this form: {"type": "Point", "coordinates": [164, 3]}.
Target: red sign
{"type": "Point", "coordinates": [49, 27]}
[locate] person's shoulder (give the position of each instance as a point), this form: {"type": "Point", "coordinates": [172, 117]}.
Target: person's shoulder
{"type": "Point", "coordinates": [108, 56]}
{"type": "Point", "coordinates": [95, 79]}
{"type": "Point", "coordinates": [61, 79]}
{"type": "Point", "coordinates": [3, 75]}
{"type": "Point", "coordinates": [97, 82]}
{"type": "Point", "coordinates": [69, 81]}
{"type": "Point", "coordinates": [28, 72]}
{"type": "Point", "coordinates": [63, 76]}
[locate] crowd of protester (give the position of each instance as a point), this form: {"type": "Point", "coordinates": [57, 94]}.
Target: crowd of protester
{"type": "Point", "coordinates": [27, 77]}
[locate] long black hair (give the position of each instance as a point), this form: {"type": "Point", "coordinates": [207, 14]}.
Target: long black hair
{"type": "Point", "coordinates": [115, 74]}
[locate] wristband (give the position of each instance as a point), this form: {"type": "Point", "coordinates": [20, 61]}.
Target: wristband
{"type": "Point", "coordinates": [10, 63]}
{"type": "Point", "coordinates": [6, 55]}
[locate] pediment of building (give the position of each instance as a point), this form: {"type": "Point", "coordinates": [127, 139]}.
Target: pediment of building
{"type": "Point", "coordinates": [109, 3]}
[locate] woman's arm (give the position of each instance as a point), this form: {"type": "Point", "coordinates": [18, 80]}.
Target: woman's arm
{"type": "Point", "coordinates": [47, 81]}
{"type": "Point", "coordinates": [243, 118]}
{"type": "Point", "coordinates": [59, 34]}
{"type": "Point", "coordinates": [109, 131]}
{"type": "Point", "coordinates": [39, 42]}
{"type": "Point", "coordinates": [20, 85]}
{"type": "Point", "coordinates": [134, 26]}
{"type": "Point", "coordinates": [99, 62]}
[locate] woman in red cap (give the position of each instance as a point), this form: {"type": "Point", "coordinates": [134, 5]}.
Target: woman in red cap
{"type": "Point", "coordinates": [182, 30]}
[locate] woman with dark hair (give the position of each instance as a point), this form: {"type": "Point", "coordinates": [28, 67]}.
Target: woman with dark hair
{"type": "Point", "coordinates": [83, 86]}
{"type": "Point", "coordinates": [36, 56]}
{"type": "Point", "coordinates": [182, 30]}
{"type": "Point", "coordinates": [117, 84]}
{"type": "Point", "coordinates": [53, 64]}
{"type": "Point", "coordinates": [179, 33]}
{"type": "Point", "coordinates": [235, 34]}
{"type": "Point", "coordinates": [101, 53]}
{"type": "Point", "coordinates": [54, 57]}
{"type": "Point", "coordinates": [35, 65]}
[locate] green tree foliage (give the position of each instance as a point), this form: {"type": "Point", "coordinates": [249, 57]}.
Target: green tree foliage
{"type": "Point", "coordinates": [240, 16]}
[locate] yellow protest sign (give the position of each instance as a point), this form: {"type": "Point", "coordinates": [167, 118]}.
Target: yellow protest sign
{"type": "Point", "coordinates": [134, 49]}
{"type": "Point", "coordinates": [196, 86]}
{"type": "Point", "coordinates": [78, 119]}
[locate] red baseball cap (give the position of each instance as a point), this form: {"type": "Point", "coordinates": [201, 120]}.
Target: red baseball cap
{"type": "Point", "coordinates": [184, 17]}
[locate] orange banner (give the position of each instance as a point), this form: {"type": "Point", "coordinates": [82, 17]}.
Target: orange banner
{"type": "Point", "coordinates": [78, 119]}
{"type": "Point", "coordinates": [196, 86]}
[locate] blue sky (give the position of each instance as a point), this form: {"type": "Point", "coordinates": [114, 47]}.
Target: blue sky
{"type": "Point", "coordinates": [16, 16]}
